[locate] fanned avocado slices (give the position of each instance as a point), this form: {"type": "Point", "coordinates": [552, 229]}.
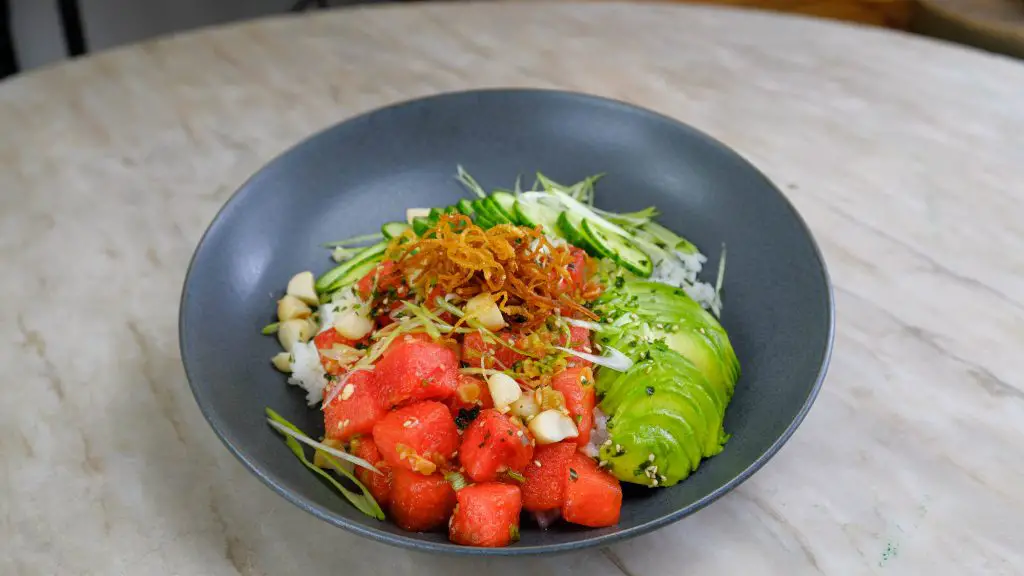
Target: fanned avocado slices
{"type": "Point", "coordinates": [666, 411]}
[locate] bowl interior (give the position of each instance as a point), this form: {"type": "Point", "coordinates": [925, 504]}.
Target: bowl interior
{"type": "Point", "coordinates": [354, 176]}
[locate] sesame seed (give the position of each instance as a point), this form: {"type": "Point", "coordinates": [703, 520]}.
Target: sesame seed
{"type": "Point", "coordinates": [650, 457]}
{"type": "Point", "coordinates": [347, 391]}
{"type": "Point", "coordinates": [536, 463]}
{"type": "Point", "coordinates": [607, 442]}
{"type": "Point", "coordinates": [618, 447]}
{"type": "Point", "coordinates": [654, 482]}
{"type": "Point", "coordinates": [409, 423]}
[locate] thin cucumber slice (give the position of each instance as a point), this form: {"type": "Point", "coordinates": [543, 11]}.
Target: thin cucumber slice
{"type": "Point", "coordinates": [669, 238]}
{"type": "Point", "coordinates": [534, 214]}
{"type": "Point", "coordinates": [495, 212]}
{"type": "Point", "coordinates": [420, 225]}
{"type": "Point", "coordinates": [354, 275]}
{"type": "Point", "coordinates": [392, 229]}
{"type": "Point", "coordinates": [465, 206]}
{"type": "Point", "coordinates": [485, 213]}
{"type": "Point", "coordinates": [569, 225]}
{"type": "Point", "coordinates": [506, 204]}
{"type": "Point", "coordinates": [618, 248]}
{"type": "Point", "coordinates": [326, 282]}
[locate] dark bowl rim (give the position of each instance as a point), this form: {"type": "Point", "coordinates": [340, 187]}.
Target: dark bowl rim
{"type": "Point", "coordinates": [413, 543]}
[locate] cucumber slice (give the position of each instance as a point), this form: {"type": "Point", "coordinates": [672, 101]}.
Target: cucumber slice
{"type": "Point", "coordinates": [420, 225]}
{"type": "Point", "coordinates": [485, 213]}
{"type": "Point", "coordinates": [434, 214]}
{"type": "Point", "coordinates": [495, 212]}
{"type": "Point", "coordinates": [393, 229]}
{"type": "Point", "coordinates": [569, 225]}
{"type": "Point", "coordinates": [465, 206]}
{"type": "Point", "coordinates": [669, 238]}
{"type": "Point", "coordinates": [506, 204]}
{"type": "Point", "coordinates": [619, 249]}
{"type": "Point", "coordinates": [351, 277]}
{"type": "Point", "coordinates": [331, 278]}
{"type": "Point", "coordinates": [533, 214]}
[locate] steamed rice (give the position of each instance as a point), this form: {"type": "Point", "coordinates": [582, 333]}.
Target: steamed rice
{"type": "Point", "coordinates": [307, 372]}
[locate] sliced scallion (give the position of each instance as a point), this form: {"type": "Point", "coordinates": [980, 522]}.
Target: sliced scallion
{"type": "Point", "coordinates": [364, 501]}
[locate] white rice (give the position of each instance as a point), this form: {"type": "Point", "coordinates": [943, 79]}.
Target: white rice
{"type": "Point", "coordinates": [682, 272]}
{"type": "Point", "coordinates": [307, 372]}
{"type": "Point", "coordinates": [598, 434]}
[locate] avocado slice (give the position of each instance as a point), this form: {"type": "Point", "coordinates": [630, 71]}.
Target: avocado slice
{"type": "Point", "coordinates": [676, 319]}
{"type": "Point", "coordinates": [690, 400]}
{"type": "Point", "coordinates": [627, 455]}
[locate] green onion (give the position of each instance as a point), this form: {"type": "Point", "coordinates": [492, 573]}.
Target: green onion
{"type": "Point", "coordinates": [513, 532]}
{"type": "Point", "coordinates": [516, 476]}
{"type": "Point", "coordinates": [355, 240]}
{"type": "Point", "coordinates": [341, 254]}
{"type": "Point", "coordinates": [364, 502]}
{"type": "Point", "coordinates": [721, 273]}
{"type": "Point", "coordinates": [270, 328]}
{"type": "Point", "coordinates": [448, 307]}
{"type": "Point", "coordinates": [638, 218]}
{"type": "Point", "coordinates": [458, 481]}
{"type": "Point", "coordinates": [289, 429]}
{"type": "Point", "coordinates": [472, 185]}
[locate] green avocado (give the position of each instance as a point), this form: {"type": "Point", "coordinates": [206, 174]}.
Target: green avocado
{"type": "Point", "coordinates": [670, 404]}
{"type": "Point", "coordinates": [627, 456]}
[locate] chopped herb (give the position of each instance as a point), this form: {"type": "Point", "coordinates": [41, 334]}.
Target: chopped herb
{"type": "Point", "coordinates": [573, 475]}
{"type": "Point", "coordinates": [458, 481]}
{"type": "Point", "coordinates": [620, 281]}
{"type": "Point", "coordinates": [516, 476]}
{"type": "Point", "coordinates": [650, 390]}
{"type": "Point", "coordinates": [513, 532]}
{"type": "Point", "coordinates": [466, 416]}
{"type": "Point", "coordinates": [270, 329]}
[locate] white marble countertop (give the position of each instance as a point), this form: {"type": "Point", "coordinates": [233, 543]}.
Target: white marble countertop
{"type": "Point", "coordinates": [906, 156]}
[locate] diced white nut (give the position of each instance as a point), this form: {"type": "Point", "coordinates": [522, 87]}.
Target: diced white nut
{"type": "Point", "coordinates": [504, 390]}
{"type": "Point", "coordinates": [296, 330]}
{"type": "Point", "coordinates": [352, 325]}
{"type": "Point", "coordinates": [291, 307]}
{"type": "Point", "coordinates": [282, 361]}
{"type": "Point", "coordinates": [552, 426]}
{"type": "Point", "coordinates": [411, 213]}
{"type": "Point", "coordinates": [302, 287]}
{"type": "Point", "coordinates": [526, 407]}
{"type": "Point", "coordinates": [483, 308]}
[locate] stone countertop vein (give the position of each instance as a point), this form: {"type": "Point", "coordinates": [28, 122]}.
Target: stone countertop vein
{"type": "Point", "coordinates": [906, 157]}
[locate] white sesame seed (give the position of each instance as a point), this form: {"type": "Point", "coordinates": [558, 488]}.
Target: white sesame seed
{"type": "Point", "coordinates": [618, 447]}
{"type": "Point", "coordinates": [650, 457]}
{"type": "Point", "coordinates": [654, 482]}
{"type": "Point", "coordinates": [537, 463]}
{"type": "Point", "coordinates": [409, 423]}
{"type": "Point", "coordinates": [347, 391]}
{"type": "Point", "coordinates": [607, 443]}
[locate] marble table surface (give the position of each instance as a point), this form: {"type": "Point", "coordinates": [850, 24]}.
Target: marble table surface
{"type": "Point", "coordinates": [906, 156]}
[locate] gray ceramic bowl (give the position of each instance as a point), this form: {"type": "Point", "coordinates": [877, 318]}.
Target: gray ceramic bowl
{"type": "Point", "coordinates": [354, 176]}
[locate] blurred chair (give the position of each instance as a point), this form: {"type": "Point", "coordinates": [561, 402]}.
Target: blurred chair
{"type": "Point", "coordinates": [993, 25]}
